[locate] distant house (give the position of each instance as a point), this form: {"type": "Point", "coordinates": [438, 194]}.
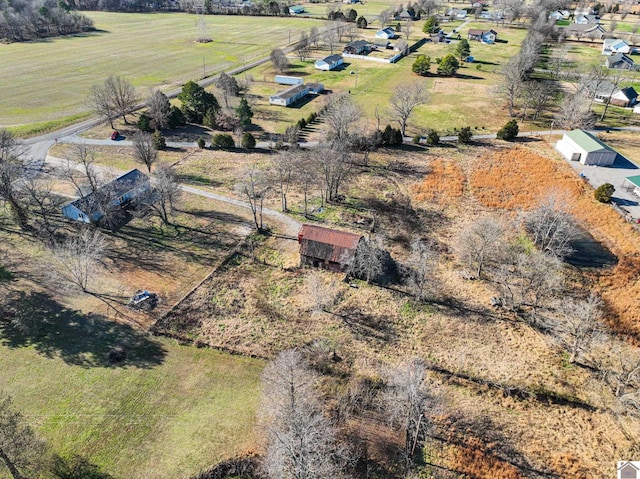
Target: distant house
{"type": "Point", "coordinates": [624, 97]}
{"type": "Point", "coordinates": [590, 30]}
{"type": "Point", "coordinates": [405, 15]}
{"type": "Point", "coordinates": [386, 33]}
{"type": "Point", "coordinates": [329, 63]}
{"type": "Point", "coordinates": [327, 248]}
{"type": "Point", "coordinates": [456, 13]}
{"type": "Point", "coordinates": [583, 11]}
{"type": "Point", "coordinates": [297, 92]}
{"type": "Point", "coordinates": [113, 196]}
{"type": "Point", "coordinates": [296, 10]}
{"type": "Point", "coordinates": [586, 19]}
{"type": "Point", "coordinates": [381, 44]}
{"type": "Point", "coordinates": [559, 15]}
{"type": "Point", "coordinates": [579, 145]}
{"type": "Point", "coordinates": [358, 47]}
{"type": "Point", "coordinates": [484, 36]}
{"type": "Point", "coordinates": [620, 61]}
{"type": "Point", "coordinates": [611, 46]}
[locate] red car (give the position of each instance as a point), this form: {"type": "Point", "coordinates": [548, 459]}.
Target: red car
{"type": "Point", "coordinates": [115, 135]}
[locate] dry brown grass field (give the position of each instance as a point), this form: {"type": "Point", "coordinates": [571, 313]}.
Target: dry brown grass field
{"type": "Point", "coordinates": [570, 426]}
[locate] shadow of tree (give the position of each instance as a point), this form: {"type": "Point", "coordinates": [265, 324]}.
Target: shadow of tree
{"type": "Point", "coordinates": [36, 319]}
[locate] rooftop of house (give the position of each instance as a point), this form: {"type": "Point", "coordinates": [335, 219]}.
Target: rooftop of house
{"type": "Point", "coordinates": [112, 190]}
{"type": "Point", "coordinates": [587, 141]}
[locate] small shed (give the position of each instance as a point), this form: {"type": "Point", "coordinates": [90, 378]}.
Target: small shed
{"type": "Point", "coordinates": [632, 183]}
{"type": "Point", "coordinates": [329, 63]}
{"type": "Point", "coordinates": [386, 33]}
{"type": "Point", "coordinates": [582, 146]}
{"type": "Point", "coordinates": [287, 80]}
{"type": "Point", "coordinates": [296, 10]}
{"type": "Point", "coordinates": [327, 248]}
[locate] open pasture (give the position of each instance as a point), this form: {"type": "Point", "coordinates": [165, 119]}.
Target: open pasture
{"type": "Point", "coordinates": [50, 79]}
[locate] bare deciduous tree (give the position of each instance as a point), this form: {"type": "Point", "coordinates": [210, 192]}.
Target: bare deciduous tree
{"type": "Point", "coordinates": [368, 260]}
{"type": "Point", "coordinates": [323, 293]}
{"type": "Point", "coordinates": [575, 113]}
{"type": "Point", "coordinates": [303, 46]}
{"type": "Point", "coordinates": [158, 109]}
{"type": "Point", "coordinates": [283, 167]}
{"type": "Point", "coordinates": [407, 401]}
{"type": "Point", "coordinates": [21, 452]}
{"type": "Point", "coordinates": [405, 99]}
{"type": "Point", "coordinates": [144, 149]}
{"type": "Point", "coordinates": [306, 177]}
{"type": "Point", "coordinates": [579, 327]}
{"type": "Point", "coordinates": [229, 87]}
{"type": "Point", "coordinates": [13, 166]}
{"type": "Point", "coordinates": [551, 226]}
{"type": "Point", "coordinates": [512, 82]}
{"type": "Point", "coordinates": [334, 164]}
{"type": "Point", "coordinates": [279, 60]}
{"type": "Point", "coordinates": [300, 442]}
{"type": "Point", "coordinates": [384, 16]}
{"type": "Point", "coordinates": [254, 186]}
{"type": "Point", "coordinates": [422, 264]}
{"type": "Point", "coordinates": [536, 96]}
{"type": "Point", "coordinates": [481, 243]}
{"type": "Point", "coordinates": [340, 114]}
{"type": "Point", "coordinates": [78, 257]}
{"type": "Point", "coordinates": [330, 38]}
{"type": "Point", "coordinates": [528, 280]}
{"type": "Point", "coordinates": [113, 97]}
{"type": "Point", "coordinates": [165, 194]}
{"type": "Point", "coordinates": [407, 27]}
{"type": "Point", "coordinates": [622, 372]}
{"type": "Point", "coordinates": [44, 203]}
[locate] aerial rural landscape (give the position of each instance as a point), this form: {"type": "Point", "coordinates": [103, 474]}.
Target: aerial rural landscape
{"type": "Point", "coordinates": [360, 239]}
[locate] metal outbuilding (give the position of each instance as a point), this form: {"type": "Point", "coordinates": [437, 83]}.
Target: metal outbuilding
{"type": "Point", "coordinates": [327, 248]}
{"type": "Point", "coordinates": [582, 146]}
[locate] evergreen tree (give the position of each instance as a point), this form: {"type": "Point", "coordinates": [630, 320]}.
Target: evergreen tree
{"type": "Point", "coordinates": [431, 25]}
{"type": "Point", "coordinates": [421, 65]}
{"type": "Point", "coordinates": [244, 112]}
{"type": "Point", "coordinates": [448, 65]}
{"type": "Point", "coordinates": [463, 50]}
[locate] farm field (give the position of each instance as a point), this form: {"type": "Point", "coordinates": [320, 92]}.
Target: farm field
{"type": "Point", "coordinates": [51, 79]}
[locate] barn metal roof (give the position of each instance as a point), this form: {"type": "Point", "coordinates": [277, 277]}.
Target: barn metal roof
{"type": "Point", "coordinates": [587, 141]}
{"type": "Point", "coordinates": [635, 180]}
{"type": "Point", "coordinates": [325, 243]}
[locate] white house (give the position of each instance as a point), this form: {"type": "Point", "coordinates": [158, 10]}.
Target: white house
{"type": "Point", "coordinates": [297, 92]}
{"type": "Point", "coordinates": [329, 63]}
{"type": "Point", "coordinates": [586, 19]}
{"type": "Point", "coordinates": [386, 33]}
{"type": "Point", "coordinates": [579, 145]}
{"type": "Point", "coordinates": [611, 46]}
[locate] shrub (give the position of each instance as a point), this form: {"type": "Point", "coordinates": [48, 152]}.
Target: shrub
{"type": "Point", "coordinates": [176, 118]}
{"type": "Point", "coordinates": [391, 136]}
{"type": "Point", "coordinates": [604, 193]}
{"type": "Point", "coordinates": [312, 117]}
{"type": "Point", "coordinates": [508, 132]}
{"type": "Point", "coordinates": [223, 141]}
{"type": "Point", "coordinates": [248, 141]}
{"type": "Point", "coordinates": [201, 143]}
{"type": "Point", "coordinates": [144, 123]}
{"type": "Point", "coordinates": [433, 138]}
{"type": "Point", "coordinates": [159, 143]}
{"type": "Point", "coordinates": [416, 139]}
{"type": "Point", "coordinates": [465, 135]}
{"type": "Point", "coordinates": [421, 65]}
{"type": "Point", "coordinates": [302, 123]}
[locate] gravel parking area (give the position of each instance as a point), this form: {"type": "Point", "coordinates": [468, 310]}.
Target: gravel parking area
{"type": "Point", "coordinates": [615, 174]}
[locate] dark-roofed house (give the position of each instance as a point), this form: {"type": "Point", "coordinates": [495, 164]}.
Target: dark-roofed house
{"type": "Point", "coordinates": [114, 195]}
{"type": "Point", "coordinates": [327, 248]}
{"type": "Point", "coordinates": [620, 61]}
{"type": "Point", "coordinates": [484, 36]}
{"type": "Point", "coordinates": [624, 97]}
{"type": "Point", "coordinates": [329, 63]}
{"type": "Point", "coordinates": [357, 47]}
{"type": "Point", "coordinates": [582, 146]}
{"type": "Point", "coordinates": [588, 30]}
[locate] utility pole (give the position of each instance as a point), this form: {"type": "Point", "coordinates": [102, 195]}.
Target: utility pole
{"type": "Point", "coordinates": [204, 70]}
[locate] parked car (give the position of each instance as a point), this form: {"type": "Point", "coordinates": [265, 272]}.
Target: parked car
{"type": "Point", "coordinates": [115, 135]}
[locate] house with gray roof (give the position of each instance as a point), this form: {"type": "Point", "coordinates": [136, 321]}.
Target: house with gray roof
{"type": "Point", "coordinates": [611, 46]}
{"type": "Point", "coordinates": [582, 146]}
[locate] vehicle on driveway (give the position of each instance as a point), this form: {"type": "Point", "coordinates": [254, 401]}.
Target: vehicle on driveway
{"type": "Point", "coordinates": [115, 135]}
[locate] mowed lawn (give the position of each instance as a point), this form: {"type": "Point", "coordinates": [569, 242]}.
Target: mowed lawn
{"type": "Point", "coordinates": [169, 412]}
{"type": "Point", "coordinates": [468, 99]}
{"type": "Point", "coordinates": [51, 79]}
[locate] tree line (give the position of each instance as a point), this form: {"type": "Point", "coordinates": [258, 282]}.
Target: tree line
{"type": "Point", "coordinates": [22, 20]}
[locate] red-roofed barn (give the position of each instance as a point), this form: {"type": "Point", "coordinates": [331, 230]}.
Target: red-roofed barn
{"type": "Point", "coordinates": [327, 248]}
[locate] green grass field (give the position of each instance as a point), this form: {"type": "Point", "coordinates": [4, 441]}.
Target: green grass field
{"type": "Point", "coordinates": [50, 79]}
{"type": "Point", "coordinates": [454, 102]}
{"type": "Point", "coordinates": [167, 411]}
